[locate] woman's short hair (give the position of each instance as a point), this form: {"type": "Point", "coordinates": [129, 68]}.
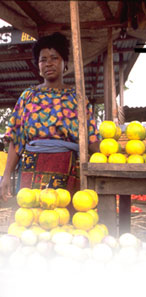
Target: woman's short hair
{"type": "Point", "coordinates": [57, 41]}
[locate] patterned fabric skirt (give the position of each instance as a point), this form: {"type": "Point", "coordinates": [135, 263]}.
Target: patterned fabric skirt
{"type": "Point", "coordinates": [52, 170]}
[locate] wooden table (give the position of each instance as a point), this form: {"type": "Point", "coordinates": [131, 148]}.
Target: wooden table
{"type": "Point", "coordinates": [111, 179]}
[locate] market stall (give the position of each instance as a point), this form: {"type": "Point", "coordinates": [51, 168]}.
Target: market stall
{"type": "Point", "coordinates": [103, 179]}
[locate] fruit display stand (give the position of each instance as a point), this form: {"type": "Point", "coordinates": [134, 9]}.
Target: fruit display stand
{"type": "Point", "coordinates": [108, 180]}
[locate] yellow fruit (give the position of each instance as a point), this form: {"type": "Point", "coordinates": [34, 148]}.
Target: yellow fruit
{"type": "Point", "coordinates": [15, 229]}
{"type": "Point", "coordinates": [37, 229]}
{"type": "Point", "coordinates": [94, 195]}
{"type": "Point", "coordinates": [64, 197]}
{"type": "Point", "coordinates": [98, 158]}
{"type": "Point", "coordinates": [82, 201]}
{"type": "Point", "coordinates": [135, 159]}
{"type": "Point", "coordinates": [37, 195]}
{"type": "Point", "coordinates": [83, 220]}
{"type": "Point", "coordinates": [36, 211]}
{"type": "Point", "coordinates": [68, 227]}
{"type": "Point", "coordinates": [107, 129]}
{"type": "Point", "coordinates": [95, 216]}
{"type": "Point", "coordinates": [49, 198]}
{"type": "Point", "coordinates": [109, 146]}
{"type": "Point", "coordinates": [135, 130]}
{"type": "Point", "coordinates": [26, 197]}
{"type": "Point", "coordinates": [95, 235]}
{"type": "Point", "coordinates": [102, 227]}
{"type": "Point", "coordinates": [24, 217]}
{"type": "Point", "coordinates": [118, 133]}
{"type": "Point", "coordinates": [135, 147]}
{"type": "Point", "coordinates": [55, 230]}
{"type": "Point", "coordinates": [49, 219]}
{"type": "Point", "coordinates": [64, 215]}
{"type": "Point", "coordinates": [3, 161]}
{"type": "Point", "coordinates": [117, 158]}
{"type": "Point", "coordinates": [79, 232]}
{"type": "Point", "coordinates": [144, 156]}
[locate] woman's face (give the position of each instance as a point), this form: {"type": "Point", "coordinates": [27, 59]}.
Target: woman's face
{"type": "Point", "coordinates": [51, 64]}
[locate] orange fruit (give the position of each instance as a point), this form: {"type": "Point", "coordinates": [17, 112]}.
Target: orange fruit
{"type": "Point", "coordinates": [107, 129]}
{"type": "Point", "coordinates": [83, 221]}
{"type": "Point", "coordinates": [135, 147]}
{"type": "Point", "coordinates": [64, 215]}
{"type": "Point", "coordinates": [24, 217]}
{"type": "Point", "coordinates": [49, 198]}
{"type": "Point", "coordinates": [94, 195]}
{"type": "Point", "coordinates": [49, 219]}
{"type": "Point", "coordinates": [64, 197]}
{"type": "Point", "coordinates": [109, 146]}
{"type": "Point", "coordinates": [26, 197]}
{"type": "Point", "coordinates": [117, 158]}
{"type": "Point", "coordinates": [135, 159]}
{"type": "Point", "coordinates": [135, 130]}
{"type": "Point", "coordinates": [82, 201]}
{"type": "Point", "coordinates": [98, 158]}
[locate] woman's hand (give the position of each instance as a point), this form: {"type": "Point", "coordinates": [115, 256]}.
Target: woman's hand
{"type": "Point", "coordinates": [5, 188]}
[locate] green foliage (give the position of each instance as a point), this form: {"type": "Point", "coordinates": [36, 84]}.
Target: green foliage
{"type": "Point", "coordinates": [99, 112]}
{"type": "Point", "coordinates": [5, 114]}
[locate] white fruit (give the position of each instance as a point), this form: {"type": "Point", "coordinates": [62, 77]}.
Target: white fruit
{"type": "Point", "coordinates": [28, 237]}
{"type": "Point", "coordinates": [62, 238]}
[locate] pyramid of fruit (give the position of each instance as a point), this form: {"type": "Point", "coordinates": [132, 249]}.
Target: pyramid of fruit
{"type": "Point", "coordinates": [45, 213]}
{"type": "Point", "coordinates": [110, 148]}
{"type": "Point", "coordinates": [44, 235]}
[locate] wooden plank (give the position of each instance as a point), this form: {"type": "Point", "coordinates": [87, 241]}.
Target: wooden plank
{"type": "Point", "coordinates": [121, 186]}
{"type": "Point", "coordinates": [80, 88]}
{"type": "Point", "coordinates": [113, 170]}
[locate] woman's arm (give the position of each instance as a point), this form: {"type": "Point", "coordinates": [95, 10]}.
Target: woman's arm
{"type": "Point", "coordinates": [12, 161]}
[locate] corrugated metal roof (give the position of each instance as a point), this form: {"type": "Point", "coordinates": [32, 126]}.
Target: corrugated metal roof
{"type": "Point", "coordinates": [17, 69]}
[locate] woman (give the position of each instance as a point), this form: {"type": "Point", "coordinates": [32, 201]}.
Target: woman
{"type": "Point", "coordinates": [43, 129]}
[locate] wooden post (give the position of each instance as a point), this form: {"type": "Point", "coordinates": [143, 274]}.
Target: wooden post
{"type": "Point", "coordinates": [121, 80]}
{"type": "Point", "coordinates": [111, 79]}
{"type": "Point", "coordinates": [80, 89]}
{"type": "Point", "coordinates": [105, 82]}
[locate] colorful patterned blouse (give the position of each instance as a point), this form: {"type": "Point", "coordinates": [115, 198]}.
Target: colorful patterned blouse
{"type": "Point", "coordinates": [47, 113]}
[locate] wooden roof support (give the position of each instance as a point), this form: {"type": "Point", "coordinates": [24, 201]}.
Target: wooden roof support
{"type": "Point", "coordinates": [112, 108]}
{"type": "Point", "coordinates": [80, 88]}
{"type": "Point", "coordinates": [121, 80]}
{"type": "Point", "coordinates": [105, 82]}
